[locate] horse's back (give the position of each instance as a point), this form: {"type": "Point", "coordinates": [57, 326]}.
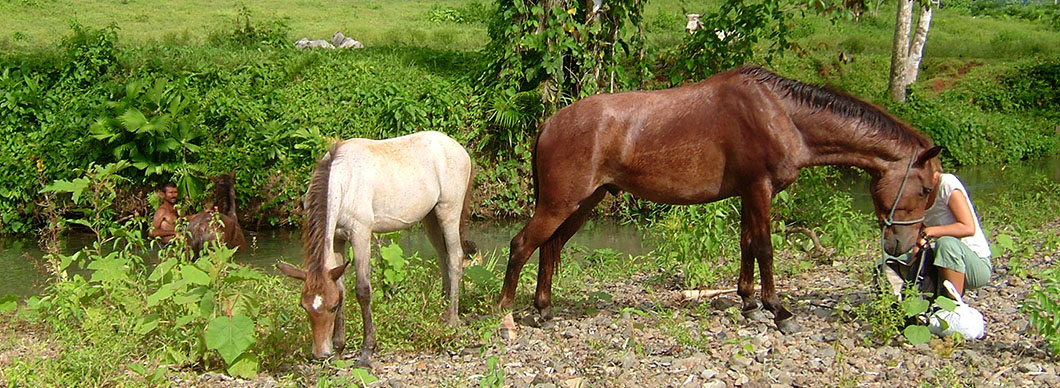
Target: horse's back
{"type": "Point", "coordinates": [684, 145]}
{"type": "Point", "coordinates": [394, 182]}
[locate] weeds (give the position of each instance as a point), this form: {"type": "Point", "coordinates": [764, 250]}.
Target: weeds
{"type": "Point", "coordinates": [1042, 306]}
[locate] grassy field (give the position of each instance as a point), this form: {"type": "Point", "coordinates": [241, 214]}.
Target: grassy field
{"type": "Point", "coordinates": [42, 23]}
{"type": "Point", "coordinates": [459, 25]}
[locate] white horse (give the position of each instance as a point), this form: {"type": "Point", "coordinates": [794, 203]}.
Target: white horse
{"type": "Point", "coordinates": [363, 186]}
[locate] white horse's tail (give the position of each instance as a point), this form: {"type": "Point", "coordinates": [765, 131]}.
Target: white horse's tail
{"type": "Point", "coordinates": [316, 241]}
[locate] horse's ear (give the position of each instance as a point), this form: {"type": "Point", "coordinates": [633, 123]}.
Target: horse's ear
{"type": "Point", "coordinates": [232, 174]}
{"type": "Point", "coordinates": [927, 155]}
{"type": "Point", "coordinates": [291, 271]}
{"type": "Point", "coordinates": [337, 272]}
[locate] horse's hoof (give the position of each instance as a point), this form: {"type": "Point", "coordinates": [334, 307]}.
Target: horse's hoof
{"type": "Point", "coordinates": [546, 314]}
{"type": "Point", "coordinates": [788, 326]}
{"type": "Point", "coordinates": [364, 361]}
{"type": "Point", "coordinates": [755, 315]}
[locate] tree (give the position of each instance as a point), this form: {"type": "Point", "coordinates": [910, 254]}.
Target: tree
{"type": "Point", "coordinates": [908, 51]}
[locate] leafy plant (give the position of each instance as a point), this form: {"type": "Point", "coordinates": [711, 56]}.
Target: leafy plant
{"type": "Point", "coordinates": [494, 377]}
{"type": "Point", "coordinates": [100, 183]}
{"type": "Point", "coordinates": [1042, 307]}
{"type": "Point", "coordinates": [731, 37]}
{"type": "Point", "coordinates": [394, 266]}
{"type": "Point", "coordinates": [701, 240]}
{"type": "Point", "coordinates": [153, 127]}
{"type": "Point", "coordinates": [249, 32]}
{"type": "Point", "coordinates": [558, 52]}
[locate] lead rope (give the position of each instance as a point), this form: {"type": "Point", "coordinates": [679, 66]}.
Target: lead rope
{"type": "Point", "coordinates": [889, 221]}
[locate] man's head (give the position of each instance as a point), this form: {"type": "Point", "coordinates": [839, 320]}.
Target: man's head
{"type": "Point", "coordinates": [169, 193]}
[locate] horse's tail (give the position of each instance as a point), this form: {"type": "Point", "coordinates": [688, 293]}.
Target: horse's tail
{"type": "Point", "coordinates": [533, 163]}
{"type": "Point", "coordinates": [315, 239]}
{"type": "Point", "coordinates": [469, 247]}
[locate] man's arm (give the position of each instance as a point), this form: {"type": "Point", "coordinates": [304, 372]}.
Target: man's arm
{"type": "Point", "coordinates": [157, 226]}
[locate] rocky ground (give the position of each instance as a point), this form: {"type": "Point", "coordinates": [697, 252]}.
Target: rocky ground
{"type": "Point", "coordinates": [647, 336]}
{"type": "Point", "coordinates": [640, 332]}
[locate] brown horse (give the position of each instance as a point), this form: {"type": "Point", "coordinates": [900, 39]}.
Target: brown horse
{"type": "Point", "coordinates": [201, 227]}
{"type": "Point", "coordinates": [746, 132]}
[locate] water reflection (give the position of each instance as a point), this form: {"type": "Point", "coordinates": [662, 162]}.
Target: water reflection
{"type": "Point", "coordinates": [22, 263]}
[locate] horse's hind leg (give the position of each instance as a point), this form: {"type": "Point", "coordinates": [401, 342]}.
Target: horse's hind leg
{"type": "Point", "coordinates": [541, 226]}
{"type": "Point", "coordinates": [443, 229]}
{"type": "Point", "coordinates": [550, 251]}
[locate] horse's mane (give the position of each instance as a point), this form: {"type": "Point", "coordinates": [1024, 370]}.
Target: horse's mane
{"type": "Point", "coordinates": [314, 231]}
{"type": "Point", "coordinates": [878, 122]}
{"type": "Point", "coordinates": [222, 194]}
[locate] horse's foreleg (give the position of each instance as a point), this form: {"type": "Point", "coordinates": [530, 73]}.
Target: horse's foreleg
{"type": "Point", "coordinates": [746, 285]}
{"type": "Point", "coordinates": [756, 208]}
{"type": "Point", "coordinates": [338, 334]}
{"type": "Point", "coordinates": [363, 268]}
{"type": "Point", "coordinates": [550, 252]}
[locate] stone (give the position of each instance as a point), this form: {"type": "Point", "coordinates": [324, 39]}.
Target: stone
{"type": "Point", "coordinates": [739, 363]}
{"type": "Point", "coordinates": [825, 352]}
{"type": "Point", "coordinates": [714, 384]}
{"type": "Point", "coordinates": [1029, 367]}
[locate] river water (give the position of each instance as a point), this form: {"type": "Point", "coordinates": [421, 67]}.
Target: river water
{"type": "Point", "coordinates": [21, 263]}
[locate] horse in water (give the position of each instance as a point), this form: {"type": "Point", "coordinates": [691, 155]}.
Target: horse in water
{"type": "Point", "coordinates": [201, 226]}
{"type": "Point", "coordinates": [746, 132]}
{"type": "Point", "coordinates": [363, 186]}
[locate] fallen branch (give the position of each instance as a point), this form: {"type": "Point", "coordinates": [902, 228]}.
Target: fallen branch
{"type": "Point", "coordinates": [818, 249]}
{"type": "Point", "coordinates": [703, 294]}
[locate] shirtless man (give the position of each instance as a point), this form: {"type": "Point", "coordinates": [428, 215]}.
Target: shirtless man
{"type": "Point", "coordinates": [164, 223]}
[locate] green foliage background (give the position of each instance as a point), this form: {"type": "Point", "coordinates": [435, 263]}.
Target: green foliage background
{"type": "Point", "coordinates": [191, 102]}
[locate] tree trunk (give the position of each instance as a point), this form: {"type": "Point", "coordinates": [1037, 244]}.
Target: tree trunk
{"type": "Point", "coordinates": [916, 50]}
{"type": "Point", "coordinates": [907, 52]}
{"type": "Point", "coordinates": [900, 50]}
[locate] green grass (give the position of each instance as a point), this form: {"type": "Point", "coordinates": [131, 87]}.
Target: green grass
{"type": "Point", "coordinates": [34, 24]}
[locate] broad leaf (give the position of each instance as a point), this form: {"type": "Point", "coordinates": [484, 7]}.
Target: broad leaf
{"type": "Point", "coordinates": [363, 376]}
{"type": "Point", "coordinates": [146, 324]}
{"type": "Point", "coordinates": [914, 306]}
{"type": "Point", "coordinates": [194, 275]}
{"type": "Point", "coordinates": [162, 269]}
{"type": "Point", "coordinates": [132, 120]}
{"type": "Point", "coordinates": [160, 295]}
{"type": "Point", "coordinates": [946, 303]}
{"type": "Point", "coordinates": [8, 303]}
{"type": "Point", "coordinates": [246, 366]}
{"type": "Point", "coordinates": [243, 274]}
{"type": "Point", "coordinates": [230, 336]}
{"type": "Point", "coordinates": [479, 275]}
{"type": "Point", "coordinates": [917, 334]}
{"type": "Point", "coordinates": [75, 187]}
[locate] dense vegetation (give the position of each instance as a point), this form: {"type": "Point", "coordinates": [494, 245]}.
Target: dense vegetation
{"type": "Point", "coordinates": [95, 115]}
{"type": "Point", "coordinates": [244, 99]}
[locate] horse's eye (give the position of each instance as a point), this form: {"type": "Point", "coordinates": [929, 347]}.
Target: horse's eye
{"type": "Point", "coordinates": [927, 190]}
{"type": "Point", "coordinates": [335, 307]}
